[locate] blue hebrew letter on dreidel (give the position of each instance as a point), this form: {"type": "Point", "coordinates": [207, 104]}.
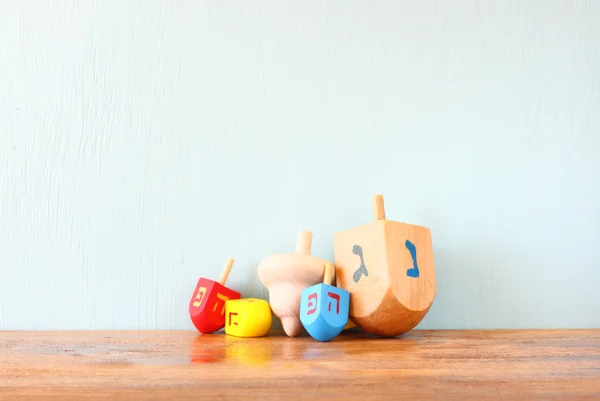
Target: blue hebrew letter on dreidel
{"type": "Point", "coordinates": [324, 311]}
{"type": "Point", "coordinates": [414, 271]}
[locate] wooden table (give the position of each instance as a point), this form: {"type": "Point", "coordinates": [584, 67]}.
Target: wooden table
{"type": "Point", "coordinates": [421, 365]}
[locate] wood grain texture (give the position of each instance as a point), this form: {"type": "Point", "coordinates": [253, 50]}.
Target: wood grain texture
{"type": "Point", "coordinates": [420, 365]}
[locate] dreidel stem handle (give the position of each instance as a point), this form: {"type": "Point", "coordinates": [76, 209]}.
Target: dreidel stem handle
{"type": "Point", "coordinates": [225, 272]}
{"type": "Point", "coordinates": [304, 242]}
{"type": "Point", "coordinates": [328, 273]}
{"type": "Point", "coordinates": [378, 207]}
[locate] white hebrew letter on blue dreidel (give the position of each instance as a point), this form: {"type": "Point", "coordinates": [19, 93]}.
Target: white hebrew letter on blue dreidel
{"type": "Point", "coordinates": [324, 311]}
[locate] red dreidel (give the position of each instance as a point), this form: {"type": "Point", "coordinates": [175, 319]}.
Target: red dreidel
{"type": "Point", "coordinates": [207, 306]}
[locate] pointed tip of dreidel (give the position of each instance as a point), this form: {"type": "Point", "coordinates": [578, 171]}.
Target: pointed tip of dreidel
{"type": "Point", "coordinates": [324, 308]}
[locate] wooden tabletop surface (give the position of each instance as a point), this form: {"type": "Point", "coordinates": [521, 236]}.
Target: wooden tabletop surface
{"type": "Point", "coordinates": [420, 365]}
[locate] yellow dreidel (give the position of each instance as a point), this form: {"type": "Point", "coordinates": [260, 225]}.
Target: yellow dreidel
{"type": "Point", "coordinates": [247, 317]}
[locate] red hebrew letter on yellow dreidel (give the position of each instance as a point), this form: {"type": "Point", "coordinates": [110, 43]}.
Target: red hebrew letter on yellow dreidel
{"type": "Point", "coordinates": [247, 317]}
{"type": "Point", "coordinates": [207, 305]}
{"type": "Point", "coordinates": [388, 269]}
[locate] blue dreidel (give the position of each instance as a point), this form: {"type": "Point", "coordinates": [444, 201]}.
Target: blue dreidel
{"type": "Point", "coordinates": [324, 308]}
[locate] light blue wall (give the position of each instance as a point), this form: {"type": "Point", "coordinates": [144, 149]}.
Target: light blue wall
{"type": "Point", "coordinates": [143, 143]}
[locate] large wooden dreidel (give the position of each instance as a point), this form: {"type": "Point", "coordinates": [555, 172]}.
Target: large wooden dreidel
{"type": "Point", "coordinates": [324, 308]}
{"type": "Point", "coordinates": [286, 275]}
{"type": "Point", "coordinates": [207, 306]}
{"type": "Point", "coordinates": [388, 269]}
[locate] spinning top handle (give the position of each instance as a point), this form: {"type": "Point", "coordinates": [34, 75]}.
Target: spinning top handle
{"type": "Point", "coordinates": [304, 242]}
{"type": "Point", "coordinates": [378, 207]}
{"type": "Point", "coordinates": [328, 273]}
{"type": "Point", "coordinates": [225, 272]}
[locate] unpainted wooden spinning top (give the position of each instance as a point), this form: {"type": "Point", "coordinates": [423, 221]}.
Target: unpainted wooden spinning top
{"type": "Point", "coordinates": [286, 275]}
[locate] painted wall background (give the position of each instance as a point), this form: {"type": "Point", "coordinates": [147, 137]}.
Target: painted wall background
{"type": "Point", "coordinates": [144, 142]}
